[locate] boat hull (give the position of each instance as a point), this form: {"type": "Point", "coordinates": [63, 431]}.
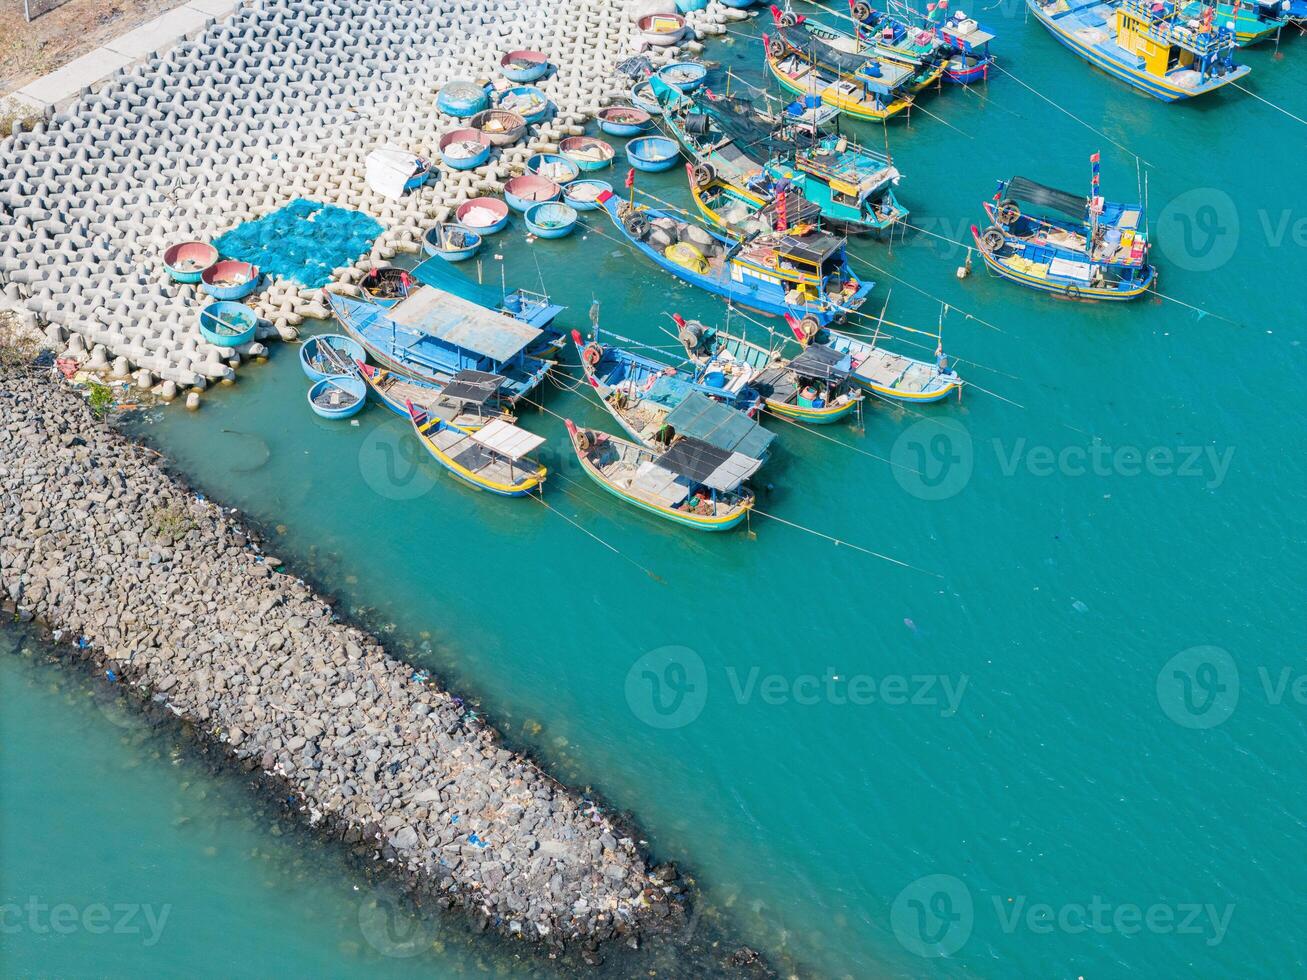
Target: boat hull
{"type": "Point", "coordinates": [1067, 291]}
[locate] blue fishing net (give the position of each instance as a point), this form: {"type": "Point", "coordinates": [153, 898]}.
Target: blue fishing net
{"type": "Point", "coordinates": [303, 241]}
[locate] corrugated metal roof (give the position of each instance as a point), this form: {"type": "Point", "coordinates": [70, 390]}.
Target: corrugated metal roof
{"type": "Point", "coordinates": [699, 417]}
{"type": "Point", "coordinates": [462, 323]}
{"type": "Point", "coordinates": [507, 439]}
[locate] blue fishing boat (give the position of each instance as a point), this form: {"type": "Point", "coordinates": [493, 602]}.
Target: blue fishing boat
{"type": "Point", "coordinates": [1254, 20]}
{"type": "Point", "coordinates": [640, 391]}
{"type": "Point", "coordinates": [527, 101]}
{"type": "Point", "coordinates": [801, 271]}
{"type": "Point", "coordinates": [851, 185]}
{"type": "Point", "coordinates": [883, 372]}
{"type": "Point", "coordinates": [589, 153]}
{"type": "Point", "coordinates": [962, 42]}
{"type": "Point", "coordinates": [524, 65]}
{"type": "Point", "coordinates": [328, 354]}
{"type": "Point", "coordinates": [685, 75]}
{"type": "Point", "coordinates": [583, 195]}
{"type": "Point", "coordinates": [691, 483]}
{"type": "Point", "coordinates": [525, 191]}
{"type": "Point", "coordinates": [492, 458]}
{"type": "Point", "coordinates": [1146, 44]}
{"type": "Point", "coordinates": [553, 166]}
{"type": "Point", "coordinates": [230, 279]}
{"type": "Point", "coordinates": [643, 97]}
{"type": "Point", "coordinates": [1059, 242]}
{"type": "Point", "coordinates": [339, 396]}
{"type": "Point", "coordinates": [1298, 12]}
{"type": "Point", "coordinates": [813, 386]}
{"type": "Point", "coordinates": [469, 400]}
{"type": "Point", "coordinates": [432, 335]}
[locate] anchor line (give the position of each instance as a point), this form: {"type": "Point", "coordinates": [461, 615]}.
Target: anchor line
{"type": "Point", "coordinates": [1270, 103]}
{"type": "Point", "coordinates": [839, 542]}
{"type": "Point", "coordinates": [586, 531]}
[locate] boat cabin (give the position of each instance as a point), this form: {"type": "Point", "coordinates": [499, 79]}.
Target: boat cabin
{"type": "Point", "coordinates": [806, 258]}
{"type": "Point", "coordinates": [1164, 41]}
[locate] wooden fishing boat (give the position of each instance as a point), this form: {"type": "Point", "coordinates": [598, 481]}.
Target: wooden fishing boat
{"type": "Point", "coordinates": [328, 354]}
{"type": "Point", "coordinates": [1254, 20]}
{"type": "Point", "coordinates": [469, 400]}
{"type": "Point", "coordinates": [640, 391]}
{"type": "Point", "coordinates": [741, 213]}
{"type": "Point", "coordinates": [889, 37]}
{"type": "Point", "coordinates": [883, 372]}
{"type": "Point", "coordinates": [804, 59]}
{"type": "Point", "coordinates": [802, 271]}
{"type": "Point", "coordinates": [186, 262]}
{"type": "Point", "coordinates": [501, 127]}
{"type": "Point", "coordinates": [492, 458]}
{"type": "Point", "coordinates": [701, 490]}
{"type": "Point", "coordinates": [337, 396]}
{"type": "Point", "coordinates": [1058, 242]}
{"type": "Point", "coordinates": [385, 285]}
{"type": "Point", "coordinates": [851, 186]}
{"type": "Point", "coordinates": [230, 279]}
{"type": "Point", "coordinates": [813, 387]}
{"type": "Point", "coordinates": [962, 42]}
{"type": "Point", "coordinates": [1157, 53]}
{"type": "Point", "coordinates": [432, 335]}
{"type": "Point", "coordinates": [627, 120]}
{"type": "Point", "coordinates": [532, 308]}
{"type": "Point", "coordinates": [228, 324]}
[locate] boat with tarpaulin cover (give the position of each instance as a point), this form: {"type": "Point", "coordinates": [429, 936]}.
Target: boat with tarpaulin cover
{"type": "Point", "coordinates": [1148, 45]}
{"type": "Point", "coordinates": [469, 400]}
{"type": "Point", "coordinates": [432, 335]}
{"type": "Point", "coordinates": [691, 483]}
{"type": "Point", "coordinates": [802, 271]}
{"type": "Point", "coordinates": [492, 458]}
{"type": "Point", "coordinates": [1081, 247]}
{"type": "Point", "coordinates": [814, 386]}
{"type": "Point", "coordinates": [640, 391]}
{"type": "Point", "coordinates": [851, 186]}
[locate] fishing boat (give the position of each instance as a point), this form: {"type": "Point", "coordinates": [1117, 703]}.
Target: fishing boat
{"type": "Point", "coordinates": [327, 354]}
{"type": "Point", "coordinates": [690, 484]}
{"type": "Point", "coordinates": [852, 186]}
{"type": "Point", "coordinates": [432, 335]}
{"type": "Point", "coordinates": [386, 285]}
{"type": "Point", "coordinates": [469, 400]}
{"type": "Point", "coordinates": [640, 391]}
{"type": "Point", "coordinates": [1059, 242]}
{"type": "Point", "coordinates": [587, 152]}
{"type": "Point", "coordinates": [628, 120]}
{"type": "Point", "coordinates": [501, 127]}
{"type": "Point", "coordinates": [491, 458]}
{"type": "Point", "coordinates": [337, 396]}
{"type": "Point", "coordinates": [583, 195]}
{"type": "Point", "coordinates": [554, 167]}
{"type": "Point", "coordinates": [185, 262]}
{"type": "Point", "coordinates": [524, 65]}
{"type": "Point", "coordinates": [740, 213]}
{"type": "Point", "coordinates": [883, 372]}
{"type": "Point", "coordinates": [230, 279]}
{"type": "Point", "coordinates": [814, 387]}
{"type": "Point", "coordinates": [964, 42]}
{"type": "Point", "coordinates": [525, 191]}
{"type": "Point", "coordinates": [1298, 12]}
{"type": "Point", "coordinates": [1254, 20]}
{"type": "Point", "coordinates": [1151, 47]}
{"type": "Point", "coordinates": [532, 308]}
{"type": "Point", "coordinates": [527, 101]}
{"type": "Point", "coordinates": [920, 48]}
{"type": "Point", "coordinates": [483, 215]}
{"type": "Point", "coordinates": [451, 242]}
{"type": "Point", "coordinates": [661, 30]}
{"type": "Point", "coordinates": [685, 75]}
{"type": "Point", "coordinates": [805, 60]}
{"type": "Point", "coordinates": [464, 149]}
{"type": "Point", "coordinates": [652, 154]}
{"type": "Point", "coordinates": [551, 220]}
{"type": "Point", "coordinates": [226, 323]}
{"type": "Point", "coordinates": [643, 97]}
{"type": "Point", "coordinates": [802, 271]}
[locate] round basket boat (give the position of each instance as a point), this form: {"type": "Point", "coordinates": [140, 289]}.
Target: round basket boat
{"type": "Point", "coordinates": [464, 149]}
{"type": "Point", "coordinates": [587, 152]}
{"type": "Point", "coordinates": [552, 220]}
{"type": "Point", "coordinates": [186, 261]}
{"type": "Point", "coordinates": [553, 166]}
{"type": "Point", "coordinates": [643, 97]}
{"type": "Point", "coordinates": [624, 120]}
{"type": "Point", "coordinates": [386, 285]}
{"type": "Point", "coordinates": [661, 30]}
{"type": "Point", "coordinates": [451, 242]}
{"type": "Point", "coordinates": [583, 195]}
{"type": "Point", "coordinates": [501, 127]}
{"type": "Point", "coordinates": [483, 215]}
{"type": "Point", "coordinates": [421, 171]}
{"type": "Point", "coordinates": [230, 279]}
{"type": "Point", "coordinates": [685, 75]}
{"type": "Point", "coordinates": [524, 66]}
{"type": "Point", "coordinates": [228, 324]}
{"type": "Point", "coordinates": [652, 153]}
{"type": "Point", "coordinates": [338, 396]}
{"type": "Point", "coordinates": [528, 190]}
{"type": "Point", "coordinates": [462, 99]}
{"type": "Point", "coordinates": [527, 101]}
{"type": "Point", "coordinates": [739, 4]}
{"type": "Point", "coordinates": [328, 354]}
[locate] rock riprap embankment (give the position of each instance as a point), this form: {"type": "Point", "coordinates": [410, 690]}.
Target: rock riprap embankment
{"type": "Point", "coordinates": [169, 592]}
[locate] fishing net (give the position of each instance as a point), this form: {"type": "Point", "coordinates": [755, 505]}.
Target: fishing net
{"type": "Point", "coordinates": [304, 241]}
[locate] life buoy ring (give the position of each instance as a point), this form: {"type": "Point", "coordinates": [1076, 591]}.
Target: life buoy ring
{"type": "Point", "coordinates": [775, 48]}
{"type": "Point", "coordinates": [592, 354]}
{"type": "Point", "coordinates": [703, 174]}
{"type": "Point", "coordinates": [1008, 211]}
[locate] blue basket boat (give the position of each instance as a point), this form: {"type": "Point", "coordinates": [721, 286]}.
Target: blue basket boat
{"type": "Point", "coordinates": [462, 99]}
{"type": "Point", "coordinates": [186, 261]}
{"type": "Point", "coordinates": [587, 152]}
{"type": "Point", "coordinates": [483, 215]}
{"type": "Point", "coordinates": [451, 242]}
{"type": "Point", "coordinates": [685, 75]}
{"type": "Point", "coordinates": [421, 171]}
{"type": "Point", "coordinates": [553, 166]}
{"type": "Point", "coordinates": [653, 153]}
{"type": "Point", "coordinates": [527, 101]}
{"type": "Point", "coordinates": [552, 220]}
{"type": "Point", "coordinates": [739, 4]}
{"type": "Point", "coordinates": [524, 65]}
{"type": "Point", "coordinates": [464, 149]}
{"type": "Point", "coordinates": [230, 279]}
{"type": "Point", "coordinates": [528, 190]}
{"type": "Point", "coordinates": [328, 354]}
{"type": "Point", "coordinates": [642, 95]}
{"type": "Point", "coordinates": [338, 396]}
{"type": "Point", "coordinates": [624, 120]}
{"type": "Point", "coordinates": [228, 324]}
{"type": "Point", "coordinates": [583, 195]}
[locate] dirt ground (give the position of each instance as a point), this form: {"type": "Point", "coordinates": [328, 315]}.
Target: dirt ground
{"type": "Point", "coordinates": [28, 51]}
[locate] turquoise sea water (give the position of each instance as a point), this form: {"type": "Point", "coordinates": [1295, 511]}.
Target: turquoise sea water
{"type": "Point", "coordinates": [1065, 742]}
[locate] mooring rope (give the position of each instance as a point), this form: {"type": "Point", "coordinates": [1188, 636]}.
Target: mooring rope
{"type": "Point", "coordinates": [839, 542]}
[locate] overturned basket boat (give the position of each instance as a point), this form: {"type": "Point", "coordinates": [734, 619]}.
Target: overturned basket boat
{"type": "Point", "coordinates": [338, 396]}
{"type": "Point", "coordinates": [483, 215]}
{"type": "Point", "coordinates": [228, 324]}
{"type": "Point", "coordinates": [624, 120]}
{"type": "Point", "coordinates": [186, 261]}
{"type": "Point", "coordinates": [587, 152]}
{"type": "Point", "coordinates": [451, 242]}
{"type": "Point", "coordinates": [328, 354]}
{"type": "Point", "coordinates": [501, 127]}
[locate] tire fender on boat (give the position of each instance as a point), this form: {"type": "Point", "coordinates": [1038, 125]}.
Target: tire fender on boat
{"type": "Point", "coordinates": [1072, 292]}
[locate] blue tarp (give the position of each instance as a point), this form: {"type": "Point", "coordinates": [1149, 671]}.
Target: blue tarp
{"type": "Point", "coordinates": [303, 241]}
